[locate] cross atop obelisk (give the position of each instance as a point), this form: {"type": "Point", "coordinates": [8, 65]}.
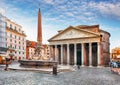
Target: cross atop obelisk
{"type": "Point", "coordinates": [39, 35]}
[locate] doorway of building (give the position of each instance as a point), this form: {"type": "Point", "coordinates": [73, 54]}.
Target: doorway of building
{"type": "Point", "coordinates": [79, 54]}
{"type": "Point", "coordinates": [71, 54]}
{"type": "Point", "coordinates": [87, 53]}
{"type": "Point", "coordinates": [94, 54]}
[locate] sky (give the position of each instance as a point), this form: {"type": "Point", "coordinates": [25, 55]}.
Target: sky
{"type": "Point", "coordinates": [59, 14]}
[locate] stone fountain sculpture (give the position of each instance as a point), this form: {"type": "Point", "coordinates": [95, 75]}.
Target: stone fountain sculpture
{"type": "Point", "coordinates": [39, 53]}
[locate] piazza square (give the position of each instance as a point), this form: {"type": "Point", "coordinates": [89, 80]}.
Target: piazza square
{"type": "Point", "coordinates": [64, 42]}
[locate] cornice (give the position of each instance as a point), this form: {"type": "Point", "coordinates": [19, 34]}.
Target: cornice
{"type": "Point", "coordinates": [15, 31]}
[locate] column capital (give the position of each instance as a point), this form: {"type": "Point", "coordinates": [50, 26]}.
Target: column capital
{"type": "Point", "coordinates": [75, 43]}
{"type": "Point", "coordinates": [68, 43]}
{"type": "Point", "coordinates": [61, 44]}
{"type": "Point", "coordinates": [98, 43]}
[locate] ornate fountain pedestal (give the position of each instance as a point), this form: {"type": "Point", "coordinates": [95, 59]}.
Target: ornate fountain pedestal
{"type": "Point", "coordinates": [37, 63]}
{"type": "Point", "coordinates": [39, 59]}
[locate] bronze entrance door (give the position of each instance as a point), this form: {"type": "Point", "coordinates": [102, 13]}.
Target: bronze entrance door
{"type": "Point", "coordinates": [94, 54]}
{"type": "Point", "coordinates": [79, 54]}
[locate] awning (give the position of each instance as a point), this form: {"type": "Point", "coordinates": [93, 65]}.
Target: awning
{"type": "Point", "coordinates": [118, 56]}
{"type": "Point", "coordinates": [3, 50]}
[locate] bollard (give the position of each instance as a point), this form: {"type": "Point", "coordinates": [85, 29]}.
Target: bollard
{"type": "Point", "coordinates": [55, 69]}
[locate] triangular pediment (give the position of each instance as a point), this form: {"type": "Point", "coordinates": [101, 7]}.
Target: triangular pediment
{"type": "Point", "coordinates": [72, 33]}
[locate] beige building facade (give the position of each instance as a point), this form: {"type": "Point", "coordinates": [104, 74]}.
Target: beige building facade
{"type": "Point", "coordinates": [81, 45]}
{"type": "Point", "coordinates": [16, 39]}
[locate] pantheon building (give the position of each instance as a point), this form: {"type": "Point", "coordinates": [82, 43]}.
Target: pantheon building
{"type": "Point", "coordinates": [81, 45]}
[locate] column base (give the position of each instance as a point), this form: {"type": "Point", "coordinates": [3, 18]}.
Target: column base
{"type": "Point", "coordinates": [62, 64]}
{"type": "Point", "coordinates": [68, 64]}
{"type": "Point", "coordinates": [99, 66]}
{"type": "Point", "coordinates": [82, 65]}
{"type": "Point", "coordinates": [90, 66]}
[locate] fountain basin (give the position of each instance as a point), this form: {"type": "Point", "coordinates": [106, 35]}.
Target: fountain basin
{"type": "Point", "coordinates": [38, 63]}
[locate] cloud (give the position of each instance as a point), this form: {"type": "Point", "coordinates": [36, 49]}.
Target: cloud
{"type": "Point", "coordinates": [2, 11]}
{"type": "Point", "coordinates": [106, 8]}
{"type": "Point", "coordinates": [49, 1]}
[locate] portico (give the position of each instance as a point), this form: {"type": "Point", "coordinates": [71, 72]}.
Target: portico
{"type": "Point", "coordinates": [85, 54]}
{"type": "Point", "coordinates": [75, 46]}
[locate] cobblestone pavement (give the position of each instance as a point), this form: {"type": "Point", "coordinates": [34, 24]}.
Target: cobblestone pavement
{"type": "Point", "coordinates": [83, 76]}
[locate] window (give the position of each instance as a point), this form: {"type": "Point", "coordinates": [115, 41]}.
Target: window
{"type": "Point", "coordinates": [19, 38]}
{"type": "Point", "coordinates": [15, 36]}
{"type": "Point", "coordinates": [19, 52]}
{"type": "Point", "coordinates": [10, 26]}
{"type": "Point", "coordinates": [19, 42]}
{"type": "Point", "coordinates": [23, 39]}
{"type": "Point", "coordinates": [11, 45]}
{"type": "Point", "coordinates": [23, 48]}
{"type": "Point", "coordinates": [6, 24]}
{"type": "Point", "coordinates": [19, 47]}
{"type": "Point", "coordinates": [10, 40]}
{"type": "Point", "coordinates": [23, 52]}
{"type": "Point", "coordinates": [19, 29]}
{"type": "Point", "coordinates": [15, 41]}
{"type": "Point", "coordinates": [11, 35]}
{"type": "Point", "coordinates": [15, 46]}
{"type": "Point", "coordinates": [15, 27]}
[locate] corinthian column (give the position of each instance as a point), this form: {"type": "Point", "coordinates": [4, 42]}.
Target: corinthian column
{"type": "Point", "coordinates": [90, 54]}
{"type": "Point", "coordinates": [68, 56]}
{"type": "Point", "coordinates": [99, 55]}
{"type": "Point", "coordinates": [61, 54]}
{"type": "Point", "coordinates": [56, 56]}
{"type": "Point", "coordinates": [82, 54]}
{"type": "Point", "coordinates": [75, 55]}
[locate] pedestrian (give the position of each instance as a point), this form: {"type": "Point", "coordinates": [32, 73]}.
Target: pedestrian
{"type": "Point", "coordinates": [7, 60]}
{"type": "Point", "coordinates": [78, 66]}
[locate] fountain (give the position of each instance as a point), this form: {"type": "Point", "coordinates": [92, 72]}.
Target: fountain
{"type": "Point", "coordinates": [39, 59]}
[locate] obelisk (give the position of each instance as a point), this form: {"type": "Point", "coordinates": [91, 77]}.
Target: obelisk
{"type": "Point", "coordinates": [39, 35]}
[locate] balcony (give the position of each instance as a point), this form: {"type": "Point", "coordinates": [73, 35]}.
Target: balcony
{"type": "Point", "coordinates": [11, 54]}
{"type": "Point", "coordinates": [14, 30]}
{"type": "Point", "coordinates": [11, 49]}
